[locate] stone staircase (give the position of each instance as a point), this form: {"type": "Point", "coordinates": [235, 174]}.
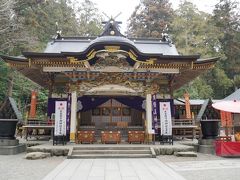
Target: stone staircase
{"type": "Point", "coordinates": [111, 152]}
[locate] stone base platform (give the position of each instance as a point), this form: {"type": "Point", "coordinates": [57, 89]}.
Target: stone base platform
{"type": "Point", "coordinates": [11, 147]}
{"type": "Point", "coordinates": [206, 146]}
{"type": "Point", "coordinates": [61, 150]}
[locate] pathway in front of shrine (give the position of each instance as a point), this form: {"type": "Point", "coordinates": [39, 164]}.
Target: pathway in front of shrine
{"type": "Point", "coordinates": [113, 169]}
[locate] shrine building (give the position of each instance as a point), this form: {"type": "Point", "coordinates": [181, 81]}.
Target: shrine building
{"type": "Point", "coordinates": [110, 79]}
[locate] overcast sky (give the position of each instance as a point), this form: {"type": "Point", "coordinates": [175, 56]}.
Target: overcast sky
{"type": "Point", "coordinates": [126, 7]}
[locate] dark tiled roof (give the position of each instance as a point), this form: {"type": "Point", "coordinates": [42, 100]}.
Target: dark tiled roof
{"type": "Point", "coordinates": [79, 45]}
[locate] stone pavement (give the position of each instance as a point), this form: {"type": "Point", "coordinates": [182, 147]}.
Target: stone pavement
{"type": "Point", "coordinates": [204, 167]}
{"type": "Point", "coordinates": [113, 169]}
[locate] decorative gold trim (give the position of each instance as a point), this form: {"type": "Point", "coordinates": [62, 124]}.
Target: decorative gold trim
{"type": "Point", "coordinates": [132, 55]}
{"type": "Point", "coordinates": [92, 55]}
{"type": "Point", "coordinates": [72, 136]}
{"type": "Point", "coordinates": [73, 60]}
{"type": "Point", "coordinates": [89, 54]}
{"type": "Point", "coordinates": [112, 48]}
{"type": "Point", "coordinates": [151, 60]}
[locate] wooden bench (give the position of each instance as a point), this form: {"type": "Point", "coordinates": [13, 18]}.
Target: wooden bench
{"type": "Point", "coordinates": [136, 136]}
{"type": "Point", "coordinates": [110, 137]}
{"type": "Point", "coordinates": [85, 136]}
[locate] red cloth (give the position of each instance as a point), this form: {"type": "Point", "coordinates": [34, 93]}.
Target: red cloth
{"type": "Point", "coordinates": [227, 148]}
{"type": "Point", "coordinates": [226, 118]}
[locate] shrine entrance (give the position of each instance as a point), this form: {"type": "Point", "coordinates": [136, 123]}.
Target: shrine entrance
{"type": "Point", "coordinates": [112, 115]}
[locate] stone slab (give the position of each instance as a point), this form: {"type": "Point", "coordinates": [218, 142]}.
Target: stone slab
{"type": "Point", "coordinates": [9, 142]}
{"type": "Point", "coordinates": [186, 154]}
{"type": "Point", "coordinates": [11, 150]}
{"type": "Point", "coordinates": [37, 155]}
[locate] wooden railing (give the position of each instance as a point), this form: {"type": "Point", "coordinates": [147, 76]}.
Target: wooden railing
{"type": "Point", "coordinates": [40, 122]}
{"type": "Point", "coordinates": [183, 122]}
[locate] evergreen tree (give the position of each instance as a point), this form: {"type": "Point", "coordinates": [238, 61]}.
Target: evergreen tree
{"type": "Point", "coordinates": [193, 33]}
{"type": "Point", "coordinates": [227, 19]}
{"type": "Point", "coordinates": [28, 26]}
{"type": "Point", "coordinates": [89, 19]}
{"type": "Point", "coordinates": [150, 19]}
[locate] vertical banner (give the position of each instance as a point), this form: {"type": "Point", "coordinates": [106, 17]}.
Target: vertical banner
{"type": "Point", "coordinates": [60, 118]}
{"type": "Point", "coordinates": [166, 119]}
{"type": "Point", "coordinates": [69, 102]}
{"type": "Point", "coordinates": [154, 114]}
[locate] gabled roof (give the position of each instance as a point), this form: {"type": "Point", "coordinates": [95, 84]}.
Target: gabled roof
{"type": "Point", "coordinates": [233, 96]}
{"type": "Point", "coordinates": [135, 55]}
{"type": "Point", "coordinates": [147, 46]}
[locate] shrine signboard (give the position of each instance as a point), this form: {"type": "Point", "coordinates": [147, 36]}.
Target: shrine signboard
{"type": "Point", "coordinates": [60, 118]}
{"type": "Point", "coordinates": [165, 117]}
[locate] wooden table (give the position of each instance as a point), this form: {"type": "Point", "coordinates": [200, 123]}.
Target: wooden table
{"type": "Point", "coordinates": [136, 136]}
{"type": "Point", "coordinates": [85, 136]}
{"type": "Point", "coordinates": [27, 129]}
{"type": "Point", "coordinates": [110, 137]}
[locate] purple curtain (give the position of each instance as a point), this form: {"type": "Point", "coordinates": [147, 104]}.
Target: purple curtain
{"type": "Point", "coordinates": [86, 103]}
{"type": "Point", "coordinates": [69, 102]}
{"type": "Point", "coordinates": [134, 102]}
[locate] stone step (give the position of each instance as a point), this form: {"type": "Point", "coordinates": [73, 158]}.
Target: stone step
{"type": "Point", "coordinates": [95, 156]}
{"type": "Point", "coordinates": [111, 148]}
{"type": "Point", "coordinates": [186, 154]}
{"type": "Point", "coordinates": [112, 151]}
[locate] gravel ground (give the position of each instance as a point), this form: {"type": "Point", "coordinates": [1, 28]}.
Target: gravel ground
{"type": "Point", "coordinates": [15, 167]}
{"type": "Point", "coordinates": [199, 168]}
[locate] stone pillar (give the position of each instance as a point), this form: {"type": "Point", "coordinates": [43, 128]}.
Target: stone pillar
{"type": "Point", "coordinates": [149, 116]}
{"type": "Point", "coordinates": [73, 120]}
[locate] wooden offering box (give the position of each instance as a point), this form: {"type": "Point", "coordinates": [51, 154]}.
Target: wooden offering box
{"type": "Point", "coordinates": [136, 136]}
{"type": "Point", "coordinates": [111, 137]}
{"type": "Point", "coordinates": [85, 136]}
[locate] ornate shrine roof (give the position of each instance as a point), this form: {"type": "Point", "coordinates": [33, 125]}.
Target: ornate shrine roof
{"type": "Point", "coordinates": [72, 59]}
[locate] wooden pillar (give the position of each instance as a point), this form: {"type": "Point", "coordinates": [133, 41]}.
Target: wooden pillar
{"type": "Point", "coordinates": [33, 106]}
{"type": "Point", "coordinates": [187, 106]}
{"type": "Point", "coordinates": [73, 120]}
{"type": "Point", "coordinates": [149, 116]}
{"type": "Point", "coordinates": [51, 84]}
